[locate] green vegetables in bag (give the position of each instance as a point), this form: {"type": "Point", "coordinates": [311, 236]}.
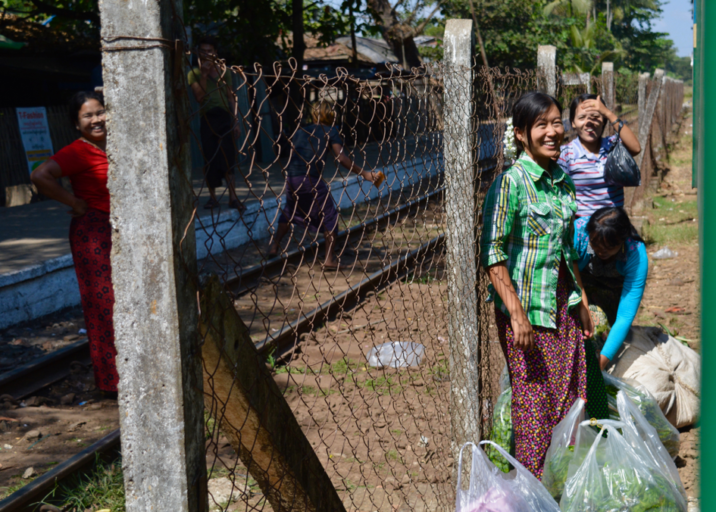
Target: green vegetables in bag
{"type": "Point", "coordinates": [555, 470]}
{"type": "Point", "coordinates": [652, 413]}
{"type": "Point", "coordinates": [502, 430]}
{"type": "Point", "coordinates": [625, 491]}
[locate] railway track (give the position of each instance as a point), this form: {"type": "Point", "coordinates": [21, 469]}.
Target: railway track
{"type": "Point", "coordinates": [43, 372]}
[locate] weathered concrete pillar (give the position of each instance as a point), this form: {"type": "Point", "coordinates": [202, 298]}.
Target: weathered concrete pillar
{"type": "Point", "coordinates": [547, 66]}
{"type": "Point", "coordinates": [643, 82]}
{"type": "Point", "coordinates": [461, 244]}
{"type": "Point", "coordinates": [608, 94]}
{"type": "Point", "coordinates": [153, 257]}
{"type": "Point", "coordinates": [645, 126]}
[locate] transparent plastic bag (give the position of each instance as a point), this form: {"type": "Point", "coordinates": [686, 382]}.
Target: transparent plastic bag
{"type": "Point", "coordinates": [561, 450]}
{"type": "Point", "coordinates": [396, 354]}
{"type": "Point", "coordinates": [639, 433]}
{"type": "Point", "coordinates": [620, 167]}
{"type": "Point", "coordinates": [613, 477]}
{"type": "Point", "coordinates": [502, 430]}
{"type": "Point", "coordinates": [648, 406]}
{"type": "Point", "coordinates": [491, 490]}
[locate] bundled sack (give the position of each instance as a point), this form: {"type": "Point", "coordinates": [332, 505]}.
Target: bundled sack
{"type": "Point", "coordinates": [609, 474]}
{"type": "Point", "coordinates": [491, 490]}
{"type": "Point", "coordinates": [502, 431]}
{"type": "Point", "coordinates": [649, 408]}
{"type": "Point", "coordinates": [561, 450]}
{"type": "Point", "coordinates": [667, 368]}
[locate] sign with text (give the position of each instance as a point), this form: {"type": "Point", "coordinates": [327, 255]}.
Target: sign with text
{"type": "Point", "coordinates": [35, 133]}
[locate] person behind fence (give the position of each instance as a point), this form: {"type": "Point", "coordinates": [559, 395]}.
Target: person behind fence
{"type": "Point", "coordinates": [614, 267]}
{"type": "Point", "coordinates": [219, 125]}
{"type": "Point", "coordinates": [541, 312]}
{"type": "Point", "coordinates": [308, 201]}
{"type": "Point", "coordinates": [584, 158]}
{"type": "Point", "coordinates": [85, 163]}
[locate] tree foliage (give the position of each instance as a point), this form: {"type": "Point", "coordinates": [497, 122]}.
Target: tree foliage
{"type": "Point", "coordinates": [585, 32]}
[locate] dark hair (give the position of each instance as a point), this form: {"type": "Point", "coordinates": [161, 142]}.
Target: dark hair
{"type": "Point", "coordinates": [80, 99]}
{"type": "Point", "coordinates": [578, 101]}
{"type": "Point", "coordinates": [208, 40]}
{"type": "Point", "coordinates": [611, 226]}
{"type": "Point", "coordinates": [528, 110]}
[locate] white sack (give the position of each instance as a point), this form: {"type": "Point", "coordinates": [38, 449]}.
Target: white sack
{"type": "Point", "coordinates": [666, 368]}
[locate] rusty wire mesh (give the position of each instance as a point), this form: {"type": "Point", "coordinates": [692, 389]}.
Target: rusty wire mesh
{"type": "Point", "coordinates": [380, 434]}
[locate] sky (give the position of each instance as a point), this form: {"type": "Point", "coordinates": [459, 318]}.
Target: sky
{"type": "Point", "coordinates": [677, 21]}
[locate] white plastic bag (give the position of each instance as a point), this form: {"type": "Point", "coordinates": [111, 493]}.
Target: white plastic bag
{"type": "Point", "coordinates": [668, 434]}
{"type": "Point", "coordinates": [396, 354]}
{"type": "Point", "coordinates": [668, 369]}
{"type": "Point", "coordinates": [645, 440]}
{"type": "Point", "coordinates": [491, 490]}
{"type": "Point", "coordinates": [614, 477]}
{"type": "Point", "coordinates": [561, 450]}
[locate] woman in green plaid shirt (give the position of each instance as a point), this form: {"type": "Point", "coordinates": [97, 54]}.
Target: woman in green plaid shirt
{"type": "Point", "coordinates": [541, 313]}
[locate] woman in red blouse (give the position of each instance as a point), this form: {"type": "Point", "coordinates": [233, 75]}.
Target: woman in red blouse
{"type": "Point", "coordinates": [85, 163]}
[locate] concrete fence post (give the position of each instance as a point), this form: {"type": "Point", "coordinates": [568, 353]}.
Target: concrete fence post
{"type": "Point", "coordinates": [649, 110]}
{"type": "Point", "coordinates": [461, 228]}
{"type": "Point", "coordinates": [547, 66]}
{"type": "Point", "coordinates": [153, 257]}
{"type": "Point", "coordinates": [608, 92]}
{"type": "Point", "coordinates": [643, 82]}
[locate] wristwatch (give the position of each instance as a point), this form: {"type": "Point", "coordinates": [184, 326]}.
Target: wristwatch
{"type": "Point", "coordinates": [620, 122]}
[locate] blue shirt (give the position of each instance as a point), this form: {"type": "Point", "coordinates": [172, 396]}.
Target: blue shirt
{"type": "Point", "coordinates": [633, 264]}
{"type": "Point", "coordinates": [587, 172]}
{"type": "Point", "coordinates": [311, 145]}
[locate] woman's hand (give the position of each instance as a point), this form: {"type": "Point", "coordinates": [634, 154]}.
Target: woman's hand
{"type": "Point", "coordinates": [522, 332]}
{"type": "Point", "coordinates": [585, 317]}
{"type": "Point", "coordinates": [79, 207]}
{"type": "Point", "coordinates": [603, 362]}
{"type": "Point", "coordinates": [596, 106]}
{"type": "Point", "coordinates": [369, 176]}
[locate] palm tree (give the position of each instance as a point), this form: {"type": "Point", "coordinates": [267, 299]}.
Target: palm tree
{"type": "Point", "coordinates": [586, 40]}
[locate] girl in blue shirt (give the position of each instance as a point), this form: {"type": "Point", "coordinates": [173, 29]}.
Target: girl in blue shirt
{"type": "Point", "coordinates": [613, 265]}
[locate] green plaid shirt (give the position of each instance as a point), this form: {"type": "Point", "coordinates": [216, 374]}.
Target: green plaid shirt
{"type": "Point", "coordinates": [528, 224]}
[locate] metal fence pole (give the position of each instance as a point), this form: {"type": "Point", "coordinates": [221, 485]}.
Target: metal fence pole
{"type": "Point", "coordinates": [547, 65]}
{"type": "Point", "coordinates": [153, 258]}
{"type": "Point", "coordinates": [461, 222]}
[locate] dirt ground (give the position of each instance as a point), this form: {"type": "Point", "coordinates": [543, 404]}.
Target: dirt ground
{"type": "Point", "coordinates": [38, 433]}
{"type": "Point", "coordinates": [672, 295]}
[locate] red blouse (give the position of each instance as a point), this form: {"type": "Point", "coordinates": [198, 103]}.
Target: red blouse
{"type": "Point", "coordinates": [86, 166]}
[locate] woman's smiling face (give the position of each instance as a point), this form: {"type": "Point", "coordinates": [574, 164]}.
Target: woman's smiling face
{"type": "Point", "coordinates": [588, 125]}
{"type": "Point", "coordinates": [546, 137]}
{"type": "Point", "coordinates": [91, 121]}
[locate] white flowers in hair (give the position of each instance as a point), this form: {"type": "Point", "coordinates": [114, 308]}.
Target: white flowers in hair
{"type": "Point", "coordinates": [508, 142]}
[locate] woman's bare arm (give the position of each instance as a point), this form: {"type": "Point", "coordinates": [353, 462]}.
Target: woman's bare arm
{"type": "Point", "coordinates": [45, 179]}
{"type": "Point", "coordinates": [350, 164]}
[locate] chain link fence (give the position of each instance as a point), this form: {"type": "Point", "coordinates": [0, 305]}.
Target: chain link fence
{"type": "Point", "coordinates": [346, 346]}
{"type": "Point", "coordinates": [359, 354]}
{"type": "Point", "coordinates": [350, 354]}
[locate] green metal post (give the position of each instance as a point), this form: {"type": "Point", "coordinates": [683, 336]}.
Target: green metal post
{"type": "Point", "coordinates": [706, 135]}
